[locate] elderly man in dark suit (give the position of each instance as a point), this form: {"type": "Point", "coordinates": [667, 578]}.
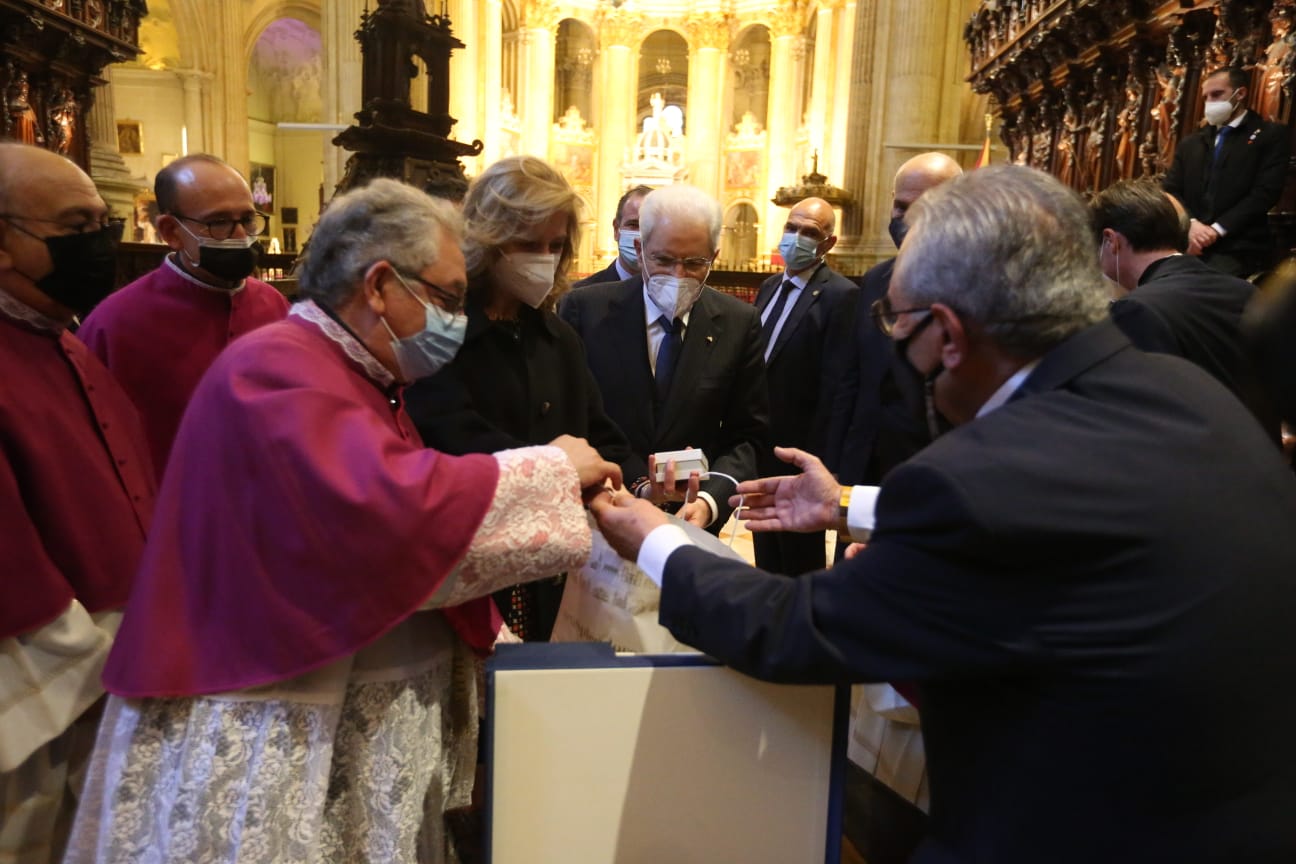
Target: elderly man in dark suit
{"type": "Point", "coordinates": [797, 307]}
{"type": "Point", "coordinates": [1173, 303]}
{"type": "Point", "coordinates": [678, 363]}
{"type": "Point", "coordinates": [1228, 174]}
{"type": "Point", "coordinates": [625, 225]}
{"type": "Point", "coordinates": [1090, 578]}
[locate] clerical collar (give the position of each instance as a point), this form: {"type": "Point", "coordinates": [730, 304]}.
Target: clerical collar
{"type": "Point", "coordinates": [336, 331]}
{"type": "Point", "coordinates": [14, 308]}
{"type": "Point", "coordinates": [180, 271]}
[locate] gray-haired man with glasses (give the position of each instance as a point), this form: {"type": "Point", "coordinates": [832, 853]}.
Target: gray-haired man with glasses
{"type": "Point", "coordinates": [679, 364]}
{"type": "Point", "coordinates": [159, 334]}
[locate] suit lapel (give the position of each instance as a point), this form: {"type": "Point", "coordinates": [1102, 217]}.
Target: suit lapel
{"type": "Point", "coordinates": [809, 297]}
{"type": "Point", "coordinates": [699, 341]}
{"type": "Point", "coordinates": [1073, 356]}
{"type": "Point", "coordinates": [627, 327]}
{"type": "Point", "coordinates": [766, 293]}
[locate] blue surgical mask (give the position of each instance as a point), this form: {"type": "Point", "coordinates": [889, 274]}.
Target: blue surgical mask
{"type": "Point", "coordinates": [625, 245]}
{"type": "Point", "coordinates": [430, 349]}
{"type": "Point", "coordinates": [798, 252]}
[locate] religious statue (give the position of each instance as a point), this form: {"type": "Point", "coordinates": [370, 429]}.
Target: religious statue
{"type": "Point", "coordinates": [62, 114]}
{"type": "Point", "coordinates": [21, 119]}
{"type": "Point", "coordinates": [1096, 120]}
{"type": "Point", "coordinates": [1170, 95]}
{"type": "Point", "coordinates": [1127, 123]}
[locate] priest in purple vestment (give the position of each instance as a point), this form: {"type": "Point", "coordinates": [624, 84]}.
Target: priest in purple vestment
{"type": "Point", "coordinates": [76, 494]}
{"type": "Point", "coordinates": [293, 680]}
{"type": "Point", "coordinates": [160, 333]}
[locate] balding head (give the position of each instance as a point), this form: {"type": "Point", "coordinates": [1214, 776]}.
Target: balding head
{"type": "Point", "coordinates": [922, 172]}
{"type": "Point", "coordinates": [814, 224]}
{"type": "Point", "coordinates": [43, 196]}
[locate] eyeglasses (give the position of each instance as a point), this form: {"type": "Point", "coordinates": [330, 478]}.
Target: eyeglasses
{"type": "Point", "coordinates": [447, 300]}
{"type": "Point", "coordinates": [116, 226]}
{"type": "Point", "coordinates": [253, 224]}
{"type": "Point", "coordinates": [690, 265]}
{"type": "Point", "coordinates": [886, 318]}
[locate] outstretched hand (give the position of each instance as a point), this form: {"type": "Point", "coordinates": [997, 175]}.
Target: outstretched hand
{"type": "Point", "coordinates": [799, 502]}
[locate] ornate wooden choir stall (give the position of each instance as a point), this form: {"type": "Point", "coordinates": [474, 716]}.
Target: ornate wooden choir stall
{"type": "Point", "coordinates": [1094, 91]}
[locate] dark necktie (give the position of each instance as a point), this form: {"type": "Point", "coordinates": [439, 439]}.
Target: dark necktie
{"type": "Point", "coordinates": [667, 353]}
{"type": "Point", "coordinates": [1219, 141]}
{"type": "Point", "coordinates": [775, 313]}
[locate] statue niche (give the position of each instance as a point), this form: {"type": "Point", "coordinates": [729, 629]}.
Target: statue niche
{"type": "Point", "coordinates": [391, 138]}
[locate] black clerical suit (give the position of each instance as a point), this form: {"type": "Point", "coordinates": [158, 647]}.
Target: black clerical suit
{"type": "Point", "coordinates": [798, 405]}
{"type": "Point", "coordinates": [1237, 190]}
{"type": "Point", "coordinates": [514, 384]}
{"type": "Point", "coordinates": [1094, 587]}
{"type": "Point", "coordinates": [1185, 308]}
{"type": "Point", "coordinates": [718, 401]}
{"type": "Point", "coordinates": [607, 274]}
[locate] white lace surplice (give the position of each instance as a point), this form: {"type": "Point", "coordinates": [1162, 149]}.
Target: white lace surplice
{"type": "Point", "coordinates": [356, 761]}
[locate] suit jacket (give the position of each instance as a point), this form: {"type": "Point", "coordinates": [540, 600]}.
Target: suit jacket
{"type": "Point", "coordinates": [795, 368]}
{"type": "Point", "coordinates": [1185, 308]}
{"type": "Point", "coordinates": [1239, 192]}
{"type": "Point", "coordinates": [718, 401]}
{"type": "Point", "coordinates": [1094, 587]}
{"type": "Point", "coordinates": [514, 388]}
{"type": "Point", "coordinates": [607, 274]}
{"type": "Point", "coordinates": [877, 415]}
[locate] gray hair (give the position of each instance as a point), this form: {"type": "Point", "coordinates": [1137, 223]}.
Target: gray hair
{"type": "Point", "coordinates": [1009, 248]}
{"type": "Point", "coordinates": [680, 202]}
{"type": "Point", "coordinates": [384, 221]}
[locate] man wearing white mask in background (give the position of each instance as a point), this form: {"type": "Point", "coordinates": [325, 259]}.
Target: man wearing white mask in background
{"type": "Point", "coordinates": [679, 363]}
{"type": "Point", "coordinates": [625, 228]}
{"type": "Point", "coordinates": [796, 308]}
{"type": "Point", "coordinates": [1228, 174]}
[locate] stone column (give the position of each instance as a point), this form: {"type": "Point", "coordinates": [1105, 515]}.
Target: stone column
{"type": "Point", "coordinates": [339, 20]}
{"type": "Point", "coordinates": [849, 255]}
{"type": "Point", "coordinates": [194, 82]}
{"type": "Point", "coordinates": [232, 74]}
{"type": "Point", "coordinates": [536, 75]}
{"type": "Point", "coordinates": [107, 168]}
{"type": "Point", "coordinates": [465, 86]}
{"type": "Point", "coordinates": [491, 44]}
{"type": "Point", "coordinates": [709, 40]}
{"type": "Point", "coordinates": [834, 156]}
{"type": "Point", "coordinates": [783, 116]}
{"type": "Point", "coordinates": [818, 116]}
{"type": "Point", "coordinates": [618, 31]}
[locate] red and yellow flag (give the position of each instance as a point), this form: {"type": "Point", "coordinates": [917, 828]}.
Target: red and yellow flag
{"type": "Point", "coordinates": [984, 159]}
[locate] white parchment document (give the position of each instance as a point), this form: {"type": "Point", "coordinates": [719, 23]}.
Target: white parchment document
{"type": "Point", "coordinates": [611, 600]}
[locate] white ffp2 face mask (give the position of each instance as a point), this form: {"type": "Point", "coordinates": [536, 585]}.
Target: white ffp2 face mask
{"type": "Point", "coordinates": [528, 276]}
{"type": "Point", "coordinates": [1218, 112]}
{"type": "Point", "coordinates": [668, 292]}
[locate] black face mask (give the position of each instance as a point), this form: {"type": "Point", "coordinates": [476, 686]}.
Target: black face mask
{"type": "Point", "coordinates": [897, 229]}
{"type": "Point", "coordinates": [85, 267]}
{"type": "Point", "coordinates": [931, 418]}
{"type": "Point", "coordinates": [232, 263]}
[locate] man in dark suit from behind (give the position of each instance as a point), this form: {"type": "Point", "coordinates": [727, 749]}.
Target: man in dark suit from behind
{"type": "Point", "coordinates": [625, 227]}
{"type": "Point", "coordinates": [1228, 174]}
{"type": "Point", "coordinates": [1090, 578]}
{"type": "Point", "coordinates": [678, 363]}
{"type": "Point", "coordinates": [797, 307]}
{"type": "Point", "coordinates": [877, 417]}
{"type": "Point", "coordinates": [1172, 303]}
